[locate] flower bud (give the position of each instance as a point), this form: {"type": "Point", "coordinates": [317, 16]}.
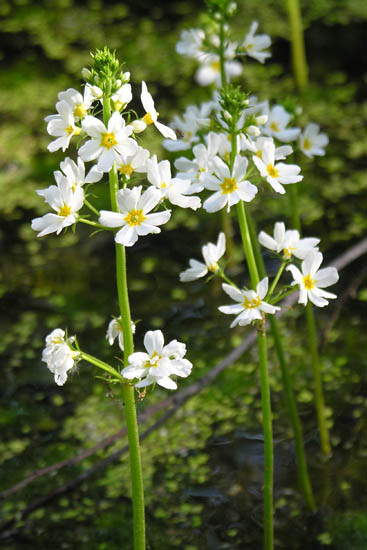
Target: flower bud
{"type": "Point", "coordinates": [227, 115]}
{"type": "Point", "coordinates": [138, 126]}
{"type": "Point", "coordinates": [262, 119]}
{"type": "Point", "coordinates": [253, 131]}
{"type": "Point", "coordinates": [86, 74]}
{"type": "Point", "coordinates": [231, 10]}
{"type": "Point", "coordinates": [126, 76]}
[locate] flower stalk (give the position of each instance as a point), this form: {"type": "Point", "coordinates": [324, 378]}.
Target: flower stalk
{"type": "Point", "coordinates": [127, 389]}
{"type": "Point", "coordinates": [299, 62]}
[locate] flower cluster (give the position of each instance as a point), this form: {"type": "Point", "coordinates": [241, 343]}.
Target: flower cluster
{"type": "Point", "coordinates": [59, 355]}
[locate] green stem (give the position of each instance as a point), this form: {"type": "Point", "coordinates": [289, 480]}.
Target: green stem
{"type": "Point", "coordinates": [303, 477]}
{"type": "Point", "coordinates": [101, 365]}
{"type": "Point", "coordinates": [312, 339]}
{"type": "Point", "coordinates": [299, 62]}
{"type": "Point", "coordinates": [276, 278]}
{"type": "Point", "coordinates": [127, 390]}
{"type": "Point", "coordinates": [221, 56]}
{"type": "Point", "coordinates": [91, 207]}
{"type": "Point", "coordinates": [95, 224]}
{"type": "Point", "coordinates": [317, 378]}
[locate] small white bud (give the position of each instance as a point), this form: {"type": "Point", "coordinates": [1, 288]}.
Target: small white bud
{"type": "Point", "coordinates": [118, 83]}
{"type": "Point", "coordinates": [246, 102]}
{"type": "Point", "coordinates": [299, 110]}
{"type": "Point", "coordinates": [227, 115]}
{"type": "Point", "coordinates": [138, 126]}
{"type": "Point", "coordinates": [262, 119]}
{"type": "Point", "coordinates": [232, 8]}
{"type": "Point", "coordinates": [126, 76]}
{"type": "Point", "coordinates": [86, 74]}
{"type": "Point", "coordinates": [97, 92]}
{"type": "Point", "coordinates": [253, 131]}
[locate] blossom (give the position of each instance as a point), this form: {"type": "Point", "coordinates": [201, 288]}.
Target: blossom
{"type": "Point", "coordinates": [136, 162]}
{"type": "Point", "coordinates": [75, 173]}
{"type": "Point", "coordinates": [66, 204]}
{"type": "Point", "coordinates": [280, 153]}
{"type": "Point", "coordinates": [211, 253]}
{"type": "Point", "coordinates": [159, 363]}
{"type": "Point", "coordinates": [250, 303]}
{"type": "Point", "coordinates": [151, 116]}
{"type": "Point", "coordinates": [253, 46]}
{"type": "Point", "coordinates": [312, 142]}
{"type": "Point", "coordinates": [122, 97]}
{"type": "Point", "coordinates": [190, 43]}
{"type": "Point", "coordinates": [201, 164]}
{"type": "Point", "coordinates": [209, 71]}
{"type": "Point", "coordinates": [288, 241]}
{"type": "Point", "coordinates": [107, 143]}
{"type": "Point", "coordinates": [58, 355]}
{"type": "Point", "coordinates": [79, 103]}
{"type": "Point", "coordinates": [133, 217]}
{"type": "Point", "coordinates": [312, 281]}
{"type": "Point", "coordinates": [114, 331]}
{"type": "Point", "coordinates": [173, 189]}
{"type": "Point", "coordinates": [276, 126]}
{"type": "Point", "coordinates": [276, 174]}
{"type": "Point", "coordinates": [61, 126]}
{"type": "Point", "coordinates": [229, 187]}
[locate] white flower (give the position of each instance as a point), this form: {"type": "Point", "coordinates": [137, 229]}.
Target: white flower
{"type": "Point", "coordinates": [127, 164]}
{"type": "Point", "coordinates": [201, 164]}
{"type": "Point", "coordinates": [276, 174]}
{"type": "Point", "coordinates": [107, 143]}
{"type": "Point", "coordinates": [61, 126]}
{"type": "Point", "coordinates": [312, 142]}
{"type": "Point", "coordinates": [209, 70]}
{"type": "Point", "coordinates": [122, 97]}
{"type": "Point", "coordinates": [186, 128]}
{"type": "Point", "coordinates": [276, 126]}
{"type": "Point", "coordinates": [114, 330]}
{"type": "Point", "coordinates": [253, 46]}
{"type": "Point", "coordinates": [211, 253]}
{"type": "Point", "coordinates": [66, 204]}
{"type": "Point", "coordinates": [75, 173]}
{"type": "Point", "coordinates": [250, 304]}
{"type": "Point", "coordinates": [159, 364]}
{"type": "Point", "coordinates": [288, 242]}
{"type": "Point", "coordinates": [229, 187]}
{"type": "Point", "coordinates": [173, 189]}
{"type": "Point", "coordinates": [79, 104]}
{"type": "Point", "coordinates": [280, 153]}
{"type": "Point", "coordinates": [133, 216]}
{"type": "Point", "coordinates": [58, 355]}
{"type": "Point", "coordinates": [190, 43]}
{"type": "Point", "coordinates": [312, 281]}
{"type": "Point", "coordinates": [151, 116]}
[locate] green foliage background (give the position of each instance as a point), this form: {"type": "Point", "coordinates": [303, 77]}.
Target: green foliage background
{"type": "Point", "coordinates": [67, 280]}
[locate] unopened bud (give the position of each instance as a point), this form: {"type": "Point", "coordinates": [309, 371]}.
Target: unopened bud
{"type": "Point", "coordinates": [227, 115]}
{"type": "Point", "coordinates": [118, 83]}
{"type": "Point", "coordinates": [138, 126]}
{"type": "Point", "coordinates": [262, 119]}
{"type": "Point", "coordinates": [86, 74]}
{"type": "Point", "coordinates": [126, 76]}
{"type": "Point", "coordinates": [253, 131]}
{"type": "Point", "coordinates": [232, 8]}
{"type": "Point", "coordinates": [96, 92]}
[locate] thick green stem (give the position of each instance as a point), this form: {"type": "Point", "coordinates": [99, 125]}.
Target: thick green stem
{"type": "Point", "coordinates": [127, 390]}
{"type": "Point", "coordinates": [290, 399]}
{"type": "Point", "coordinates": [299, 62]}
{"type": "Point", "coordinates": [312, 339]}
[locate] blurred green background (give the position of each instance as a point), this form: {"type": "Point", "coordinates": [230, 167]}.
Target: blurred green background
{"type": "Point", "coordinates": [203, 466]}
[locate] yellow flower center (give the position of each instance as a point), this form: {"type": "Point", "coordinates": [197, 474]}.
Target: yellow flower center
{"type": "Point", "coordinates": [213, 267]}
{"type": "Point", "coordinates": [259, 154]}
{"type": "Point", "coordinates": [72, 130]}
{"type": "Point", "coordinates": [148, 119]}
{"type": "Point", "coordinates": [274, 126]}
{"type": "Point", "coordinates": [308, 282]}
{"type": "Point", "coordinates": [272, 171]}
{"type": "Point", "coordinates": [306, 144]}
{"type": "Point", "coordinates": [135, 217]}
{"type": "Point", "coordinates": [80, 110]}
{"type": "Point", "coordinates": [215, 65]}
{"type": "Point", "coordinates": [64, 210]}
{"type": "Point", "coordinates": [163, 185]}
{"type": "Point", "coordinates": [227, 156]}
{"type": "Point", "coordinates": [288, 252]}
{"type": "Point", "coordinates": [117, 105]}
{"type": "Point", "coordinates": [188, 136]}
{"type": "Point", "coordinates": [228, 186]}
{"type": "Point", "coordinates": [108, 140]}
{"type": "Point", "coordinates": [153, 361]}
{"type": "Point", "coordinates": [251, 304]}
{"type": "Point", "coordinates": [126, 169]}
